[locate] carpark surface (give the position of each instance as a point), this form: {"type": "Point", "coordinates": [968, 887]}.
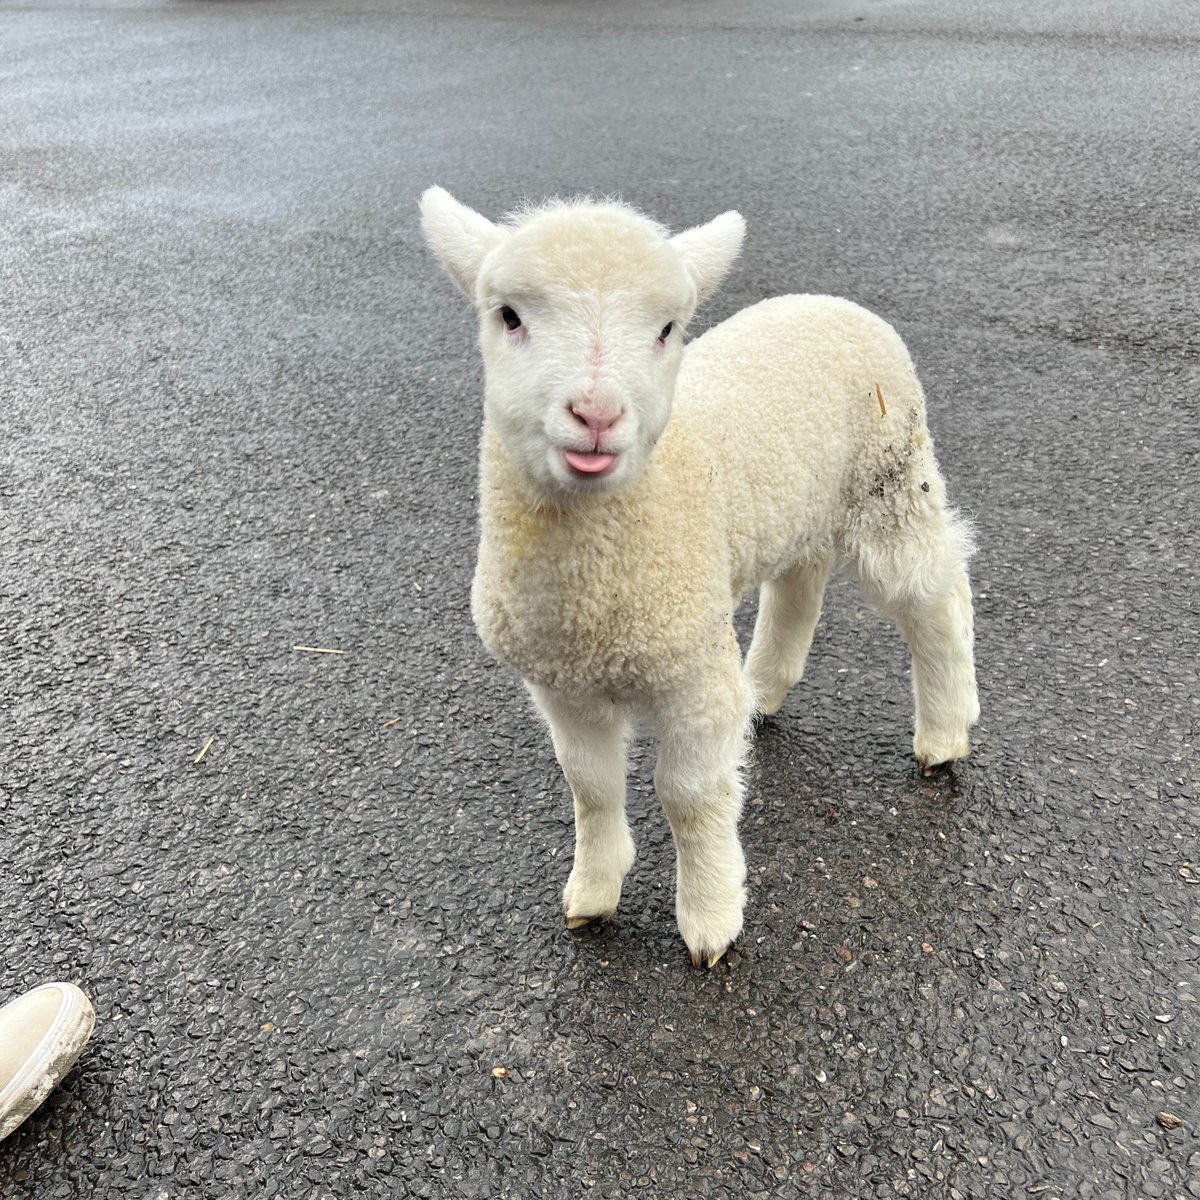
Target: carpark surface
{"type": "Point", "coordinates": [239, 407]}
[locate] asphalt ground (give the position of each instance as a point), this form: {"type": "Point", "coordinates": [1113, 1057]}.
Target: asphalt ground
{"type": "Point", "coordinates": [240, 407]}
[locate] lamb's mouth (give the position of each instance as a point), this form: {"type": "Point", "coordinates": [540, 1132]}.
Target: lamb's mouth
{"type": "Point", "coordinates": [588, 462]}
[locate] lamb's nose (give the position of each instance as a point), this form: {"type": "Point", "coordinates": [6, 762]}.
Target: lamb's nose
{"type": "Point", "coordinates": [597, 421]}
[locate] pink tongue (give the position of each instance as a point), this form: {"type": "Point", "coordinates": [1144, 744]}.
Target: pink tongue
{"type": "Point", "coordinates": [588, 463]}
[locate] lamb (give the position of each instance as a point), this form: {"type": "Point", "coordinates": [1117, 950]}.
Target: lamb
{"type": "Point", "coordinates": [632, 491]}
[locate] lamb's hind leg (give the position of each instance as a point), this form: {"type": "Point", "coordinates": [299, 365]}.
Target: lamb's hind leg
{"type": "Point", "coordinates": [788, 611]}
{"type": "Point", "coordinates": [922, 584]}
{"type": "Point", "coordinates": [938, 630]}
{"type": "Point", "coordinates": [589, 740]}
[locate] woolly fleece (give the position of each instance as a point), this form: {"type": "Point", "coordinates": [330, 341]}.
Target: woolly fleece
{"type": "Point", "coordinates": [787, 439]}
{"type": "Point", "coordinates": [776, 454]}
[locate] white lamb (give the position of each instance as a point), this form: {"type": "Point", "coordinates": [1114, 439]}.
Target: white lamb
{"type": "Point", "coordinates": [615, 544]}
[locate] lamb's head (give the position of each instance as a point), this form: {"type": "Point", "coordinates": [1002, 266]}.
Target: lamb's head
{"type": "Point", "coordinates": [582, 308]}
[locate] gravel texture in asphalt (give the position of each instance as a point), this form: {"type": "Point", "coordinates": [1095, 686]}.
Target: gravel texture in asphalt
{"type": "Point", "coordinates": [239, 408]}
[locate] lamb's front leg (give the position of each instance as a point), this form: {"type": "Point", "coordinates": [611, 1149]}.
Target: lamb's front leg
{"type": "Point", "coordinates": [589, 740]}
{"type": "Point", "coordinates": [698, 780]}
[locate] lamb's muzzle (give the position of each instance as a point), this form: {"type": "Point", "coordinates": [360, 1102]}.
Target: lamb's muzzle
{"type": "Point", "coordinates": [631, 492]}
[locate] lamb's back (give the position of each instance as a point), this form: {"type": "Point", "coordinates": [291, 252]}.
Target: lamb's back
{"type": "Point", "coordinates": [786, 393]}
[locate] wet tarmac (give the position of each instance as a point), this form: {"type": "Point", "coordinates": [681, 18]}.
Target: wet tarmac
{"type": "Point", "coordinates": [240, 407]}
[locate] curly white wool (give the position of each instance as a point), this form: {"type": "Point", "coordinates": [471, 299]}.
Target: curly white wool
{"type": "Point", "coordinates": [633, 491]}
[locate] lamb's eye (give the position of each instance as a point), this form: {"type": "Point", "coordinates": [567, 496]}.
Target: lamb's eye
{"type": "Point", "coordinates": [510, 318]}
{"type": "Point", "coordinates": [666, 331]}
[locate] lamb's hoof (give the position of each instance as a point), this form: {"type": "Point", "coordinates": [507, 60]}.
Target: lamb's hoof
{"type": "Point", "coordinates": [593, 889]}
{"type": "Point", "coordinates": [586, 902]}
{"type": "Point", "coordinates": [939, 767]}
{"type": "Point", "coordinates": [934, 755]}
{"type": "Point", "coordinates": [710, 933]}
{"type": "Point", "coordinates": [704, 958]}
{"type": "Point", "coordinates": [581, 922]}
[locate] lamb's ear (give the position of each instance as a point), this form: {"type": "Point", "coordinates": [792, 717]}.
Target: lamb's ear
{"type": "Point", "coordinates": [458, 235]}
{"type": "Point", "coordinates": [708, 251]}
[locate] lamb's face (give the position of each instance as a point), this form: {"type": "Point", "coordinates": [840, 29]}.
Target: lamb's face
{"type": "Point", "coordinates": [581, 327]}
{"type": "Point", "coordinates": [582, 309]}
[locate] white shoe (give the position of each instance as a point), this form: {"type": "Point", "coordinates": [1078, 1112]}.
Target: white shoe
{"type": "Point", "coordinates": [42, 1033]}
